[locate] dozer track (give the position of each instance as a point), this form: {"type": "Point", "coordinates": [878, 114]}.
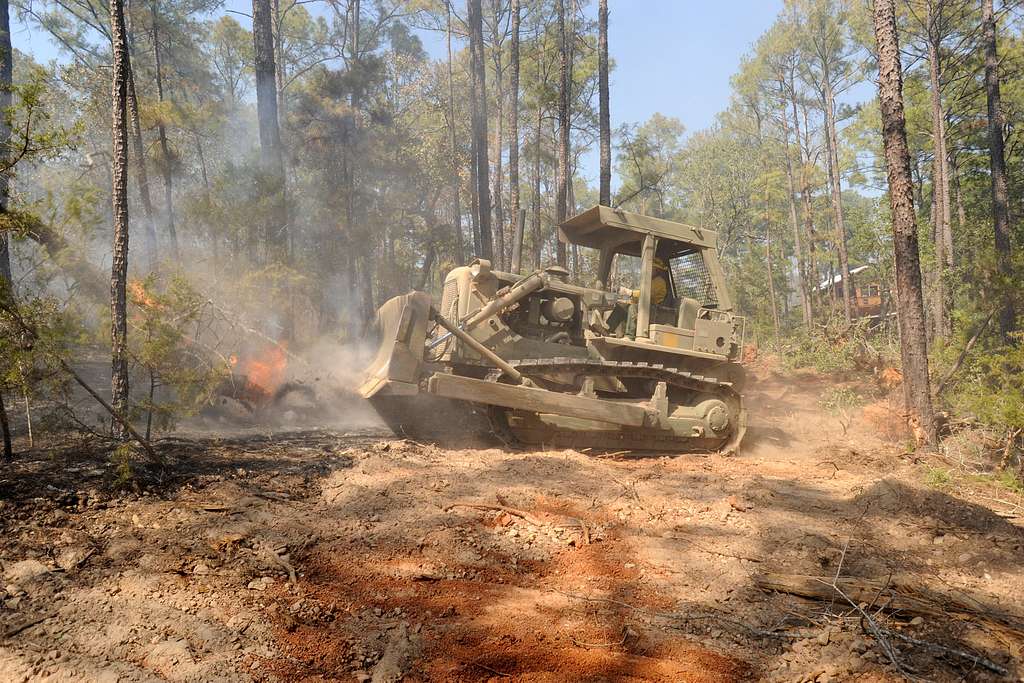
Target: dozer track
{"type": "Point", "coordinates": [430, 417]}
{"type": "Point", "coordinates": [530, 428]}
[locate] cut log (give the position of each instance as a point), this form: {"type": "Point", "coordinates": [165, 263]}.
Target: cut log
{"type": "Point", "coordinates": [893, 595]}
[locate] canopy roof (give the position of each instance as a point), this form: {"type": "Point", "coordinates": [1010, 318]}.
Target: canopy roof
{"type": "Point", "coordinates": [603, 227]}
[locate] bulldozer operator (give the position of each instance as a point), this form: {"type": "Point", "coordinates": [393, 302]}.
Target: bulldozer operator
{"type": "Point", "coordinates": [662, 297]}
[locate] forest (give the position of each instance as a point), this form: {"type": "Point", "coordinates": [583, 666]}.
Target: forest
{"type": "Point", "coordinates": [196, 193]}
{"type": "Point", "coordinates": [289, 179]}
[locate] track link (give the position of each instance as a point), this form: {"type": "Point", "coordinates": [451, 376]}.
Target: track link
{"type": "Point", "coordinates": [644, 439]}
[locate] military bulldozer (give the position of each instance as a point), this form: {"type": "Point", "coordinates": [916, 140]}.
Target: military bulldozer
{"type": "Point", "coordinates": [540, 360]}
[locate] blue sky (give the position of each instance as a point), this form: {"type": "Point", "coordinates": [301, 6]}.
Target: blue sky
{"type": "Point", "coordinates": [671, 56]}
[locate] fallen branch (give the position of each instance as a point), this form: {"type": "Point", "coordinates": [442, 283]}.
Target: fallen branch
{"type": "Point", "coordinates": [15, 630]}
{"type": "Point", "coordinates": [493, 671]}
{"type": "Point", "coordinates": [963, 355]}
{"type": "Point", "coordinates": [897, 598]}
{"type": "Point", "coordinates": [875, 630]}
{"type": "Point", "coordinates": [960, 654]}
{"type": "Point", "coordinates": [521, 514]}
{"type": "Point", "coordinates": [67, 256]}
{"type": "Point", "coordinates": [626, 631]}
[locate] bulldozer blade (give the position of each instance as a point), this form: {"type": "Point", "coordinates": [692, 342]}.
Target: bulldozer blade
{"type": "Point", "coordinates": [401, 331]}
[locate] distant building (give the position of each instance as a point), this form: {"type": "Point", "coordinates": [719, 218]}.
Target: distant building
{"type": "Point", "coordinates": [867, 291]}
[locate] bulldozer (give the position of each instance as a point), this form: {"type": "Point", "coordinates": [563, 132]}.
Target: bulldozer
{"type": "Point", "coordinates": [652, 365]}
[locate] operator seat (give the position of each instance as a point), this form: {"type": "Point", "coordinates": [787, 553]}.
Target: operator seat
{"type": "Point", "coordinates": [687, 313]}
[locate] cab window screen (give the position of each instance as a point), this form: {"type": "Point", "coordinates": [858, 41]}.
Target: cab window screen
{"type": "Point", "coordinates": [691, 279]}
{"type": "Point", "coordinates": [625, 272]}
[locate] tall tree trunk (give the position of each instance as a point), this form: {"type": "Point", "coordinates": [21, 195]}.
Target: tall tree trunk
{"type": "Point", "coordinates": [768, 252]}
{"type": "Point", "coordinates": [837, 196]}
{"type": "Point", "coordinates": [460, 254]}
{"type": "Point", "coordinates": [997, 164]}
{"type": "Point", "coordinates": [499, 144]}
{"type": "Point", "coordinates": [513, 120]}
{"type": "Point", "coordinates": [165, 152]}
{"type": "Point", "coordinates": [277, 19]}
{"type": "Point", "coordinates": [958, 200]}
{"type": "Point", "coordinates": [562, 174]}
{"type": "Point", "coordinates": [5, 432]}
{"type": "Point", "coordinates": [6, 79]}
{"type": "Point", "coordinates": [940, 180]}
{"type": "Point", "coordinates": [271, 158]}
{"type": "Point", "coordinates": [801, 267]}
{"type": "Point", "coordinates": [913, 347]}
{"type": "Point", "coordinates": [121, 75]}
{"type": "Point", "coordinates": [604, 115]}
{"type": "Point", "coordinates": [803, 146]}
{"type": "Point", "coordinates": [481, 165]}
{"type": "Point", "coordinates": [6, 281]}
{"type": "Point", "coordinates": [538, 239]}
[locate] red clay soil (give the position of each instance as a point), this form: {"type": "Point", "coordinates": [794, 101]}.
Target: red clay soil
{"type": "Point", "coordinates": [510, 621]}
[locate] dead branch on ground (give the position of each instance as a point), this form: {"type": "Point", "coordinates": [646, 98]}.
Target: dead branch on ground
{"type": "Point", "coordinates": [897, 597]}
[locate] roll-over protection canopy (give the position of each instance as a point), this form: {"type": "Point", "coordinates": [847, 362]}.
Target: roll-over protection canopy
{"type": "Point", "coordinates": [603, 227]}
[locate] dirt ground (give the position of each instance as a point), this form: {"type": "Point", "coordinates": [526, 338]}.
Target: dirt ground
{"type": "Point", "coordinates": [350, 554]}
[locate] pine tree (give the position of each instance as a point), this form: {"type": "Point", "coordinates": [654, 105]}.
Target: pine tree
{"type": "Point", "coordinates": [913, 341]}
{"type": "Point", "coordinates": [119, 173]}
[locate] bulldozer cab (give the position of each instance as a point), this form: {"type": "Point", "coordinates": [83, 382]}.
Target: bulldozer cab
{"type": "Point", "coordinates": [680, 297]}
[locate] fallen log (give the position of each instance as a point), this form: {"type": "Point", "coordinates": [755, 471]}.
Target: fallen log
{"type": "Point", "coordinates": [892, 595]}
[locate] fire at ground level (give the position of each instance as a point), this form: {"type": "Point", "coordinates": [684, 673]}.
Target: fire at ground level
{"type": "Point", "coordinates": [359, 556]}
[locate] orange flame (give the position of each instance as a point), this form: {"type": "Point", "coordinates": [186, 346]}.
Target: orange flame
{"type": "Point", "coordinates": [140, 297]}
{"type": "Point", "coordinates": [267, 372]}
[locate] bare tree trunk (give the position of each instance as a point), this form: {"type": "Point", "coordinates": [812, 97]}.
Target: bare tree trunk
{"type": "Point", "coordinates": [165, 152]}
{"type": "Point", "coordinates": [997, 164]}
{"type": "Point", "coordinates": [481, 165]}
{"type": "Point", "coordinates": [460, 254]}
{"type": "Point", "coordinates": [513, 133]}
{"type": "Point", "coordinates": [276, 21]}
{"type": "Point", "coordinates": [538, 240]}
{"type": "Point", "coordinates": [940, 181]}
{"type": "Point", "coordinates": [604, 114]}
{"type": "Point", "coordinates": [562, 174]}
{"type": "Point", "coordinates": [121, 75]}
{"type": "Point", "coordinates": [837, 196]}
{"type": "Point", "coordinates": [499, 144]}
{"type": "Point", "coordinates": [768, 255]}
{"type": "Point", "coordinates": [6, 79]}
{"type": "Point", "coordinates": [6, 281]}
{"type": "Point", "coordinates": [803, 146]}
{"type": "Point", "coordinates": [574, 251]}
{"type": "Point", "coordinates": [5, 431]}
{"type": "Point", "coordinates": [917, 395]}
{"type": "Point", "coordinates": [272, 160]}
{"type": "Point", "coordinates": [805, 297]}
